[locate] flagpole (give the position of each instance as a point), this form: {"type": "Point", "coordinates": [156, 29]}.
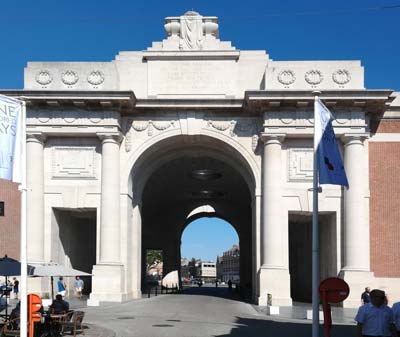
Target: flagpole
{"type": "Point", "coordinates": [315, 234]}
{"type": "Point", "coordinates": [23, 248]}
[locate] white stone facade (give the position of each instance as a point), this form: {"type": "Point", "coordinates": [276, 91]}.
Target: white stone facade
{"type": "Point", "coordinates": [99, 132]}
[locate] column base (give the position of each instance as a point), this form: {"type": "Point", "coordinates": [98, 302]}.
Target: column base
{"type": "Point", "coordinates": [275, 282]}
{"type": "Point", "coordinates": [357, 281]}
{"type": "Point", "coordinates": [108, 283]}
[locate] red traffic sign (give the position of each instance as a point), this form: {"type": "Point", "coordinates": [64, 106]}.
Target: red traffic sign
{"type": "Point", "coordinates": [334, 290]}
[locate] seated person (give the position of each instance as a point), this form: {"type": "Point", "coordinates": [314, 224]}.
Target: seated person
{"type": "Point", "coordinates": [59, 306]}
{"type": "Point", "coordinates": [15, 315]}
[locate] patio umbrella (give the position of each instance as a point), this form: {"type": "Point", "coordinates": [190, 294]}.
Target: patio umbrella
{"type": "Point", "coordinates": [10, 267]}
{"type": "Point", "coordinates": [53, 270]}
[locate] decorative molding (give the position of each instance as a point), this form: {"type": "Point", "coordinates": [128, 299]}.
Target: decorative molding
{"type": "Point", "coordinates": [287, 77]}
{"type": "Point", "coordinates": [143, 125]}
{"type": "Point", "coordinates": [72, 117]}
{"type": "Point", "coordinates": [313, 77]}
{"type": "Point", "coordinates": [74, 162]}
{"type": "Point", "coordinates": [305, 119]}
{"type": "Point", "coordinates": [44, 77]}
{"type": "Point", "coordinates": [341, 76]}
{"type": "Point", "coordinates": [300, 164]}
{"type": "Point", "coordinates": [96, 77]}
{"type": "Point", "coordinates": [254, 142]}
{"type": "Point", "coordinates": [69, 77]}
{"type": "Point", "coordinates": [223, 126]}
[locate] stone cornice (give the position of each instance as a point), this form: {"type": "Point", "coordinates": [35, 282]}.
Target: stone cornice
{"type": "Point", "coordinates": [374, 101]}
{"type": "Point", "coordinates": [192, 55]}
{"type": "Point", "coordinates": [123, 100]}
{"type": "Point", "coordinates": [189, 103]}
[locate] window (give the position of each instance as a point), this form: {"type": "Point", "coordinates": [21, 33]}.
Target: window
{"type": "Point", "coordinates": [1, 208]}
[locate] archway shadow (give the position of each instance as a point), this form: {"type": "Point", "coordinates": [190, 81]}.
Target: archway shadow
{"type": "Point", "coordinates": [210, 290]}
{"type": "Point", "coordinates": [246, 327]}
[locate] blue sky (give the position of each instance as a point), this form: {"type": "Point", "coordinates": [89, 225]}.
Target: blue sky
{"type": "Point", "coordinates": [48, 30]}
{"type": "Point", "coordinates": [88, 30]}
{"type": "Point", "coordinates": [206, 238]}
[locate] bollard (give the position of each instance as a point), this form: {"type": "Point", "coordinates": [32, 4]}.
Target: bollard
{"type": "Point", "coordinates": [156, 290]}
{"type": "Point", "coordinates": [148, 292]}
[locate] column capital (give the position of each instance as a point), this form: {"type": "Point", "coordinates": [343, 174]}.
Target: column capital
{"type": "Point", "coordinates": [348, 138]}
{"type": "Point", "coordinates": [272, 138]}
{"type": "Point", "coordinates": [110, 136]}
{"type": "Point", "coordinates": [38, 137]}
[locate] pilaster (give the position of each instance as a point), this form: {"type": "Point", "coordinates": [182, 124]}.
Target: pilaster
{"type": "Point", "coordinates": [35, 196]}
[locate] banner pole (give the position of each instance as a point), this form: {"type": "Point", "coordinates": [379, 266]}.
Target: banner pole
{"type": "Point", "coordinates": [23, 248]}
{"type": "Point", "coordinates": [315, 233]}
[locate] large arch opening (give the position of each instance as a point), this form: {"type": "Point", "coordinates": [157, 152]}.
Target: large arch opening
{"type": "Point", "coordinates": [180, 174]}
{"type": "Point", "coordinates": [205, 245]}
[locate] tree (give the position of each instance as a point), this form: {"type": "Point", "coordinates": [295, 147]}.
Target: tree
{"type": "Point", "coordinates": [192, 267]}
{"type": "Point", "coordinates": [153, 258]}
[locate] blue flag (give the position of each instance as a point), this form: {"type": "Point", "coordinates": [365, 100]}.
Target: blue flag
{"type": "Point", "coordinates": [10, 138]}
{"type": "Point", "coordinates": [330, 164]}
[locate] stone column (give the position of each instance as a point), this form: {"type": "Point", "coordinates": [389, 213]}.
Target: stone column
{"type": "Point", "coordinates": [355, 269]}
{"type": "Point", "coordinates": [110, 234]}
{"type": "Point", "coordinates": [356, 228]}
{"type": "Point", "coordinates": [274, 273]}
{"type": "Point", "coordinates": [109, 273]}
{"type": "Point", "coordinates": [271, 233]}
{"type": "Point", "coordinates": [35, 196]}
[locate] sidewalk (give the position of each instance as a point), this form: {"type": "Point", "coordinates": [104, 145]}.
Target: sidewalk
{"type": "Point", "coordinates": [299, 312]}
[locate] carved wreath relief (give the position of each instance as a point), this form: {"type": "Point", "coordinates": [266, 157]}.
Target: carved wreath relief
{"type": "Point", "coordinates": [341, 76]}
{"type": "Point", "coordinates": [95, 78]}
{"type": "Point", "coordinates": [44, 77]}
{"type": "Point", "coordinates": [314, 77]}
{"type": "Point", "coordinates": [70, 78]}
{"type": "Point", "coordinates": [286, 77]}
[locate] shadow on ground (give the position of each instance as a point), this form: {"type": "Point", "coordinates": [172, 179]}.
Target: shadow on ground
{"type": "Point", "coordinates": [246, 327]}
{"type": "Point", "coordinates": [221, 292]}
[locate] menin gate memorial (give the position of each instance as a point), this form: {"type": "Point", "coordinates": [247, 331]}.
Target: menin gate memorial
{"type": "Point", "coordinates": [112, 147]}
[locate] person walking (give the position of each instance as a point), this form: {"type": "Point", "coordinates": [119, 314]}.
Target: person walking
{"type": "Point", "coordinates": [365, 296]}
{"type": "Point", "coordinates": [15, 287]}
{"type": "Point", "coordinates": [396, 316]}
{"type": "Point", "coordinates": [62, 287]}
{"type": "Point", "coordinates": [375, 318]}
{"type": "Point", "coordinates": [78, 286]}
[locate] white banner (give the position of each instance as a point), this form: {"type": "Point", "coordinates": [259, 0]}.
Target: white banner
{"type": "Point", "coordinates": [10, 138]}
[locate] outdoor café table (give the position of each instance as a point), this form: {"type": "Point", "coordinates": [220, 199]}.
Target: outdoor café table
{"type": "Point", "coordinates": [51, 325]}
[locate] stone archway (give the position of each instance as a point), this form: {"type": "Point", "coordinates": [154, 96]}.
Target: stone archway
{"type": "Point", "coordinates": [164, 191]}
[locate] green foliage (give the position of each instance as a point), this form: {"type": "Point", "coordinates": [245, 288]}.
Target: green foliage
{"type": "Point", "coordinates": [153, 258]}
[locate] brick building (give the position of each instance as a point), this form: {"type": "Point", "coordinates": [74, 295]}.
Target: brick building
{"type": "Point", "coordinates": [9, 220]}
{"type": "Point", "coordinates": [228, 265]}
